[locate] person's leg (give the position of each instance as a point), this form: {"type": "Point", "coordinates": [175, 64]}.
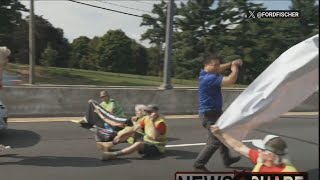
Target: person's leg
{"type": "Point", "coordinates": [227, 159]}
{"type": "Point", "coordinates": [206, 153]}
{"type": "Point", "coordinates": [122, 136]}
{"type": "Point", "coordinates": [92, 117]}
{"type": "Point", "coordinates": [133, 148]}
{"type": "Point", "coordinates": [212, 144]}
{"type": "Point", "coordinates": [149, 150]}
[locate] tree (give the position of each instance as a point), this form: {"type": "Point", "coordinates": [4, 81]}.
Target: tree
{"type": "Point", "coordinates": [193, 26]}
{"type": "Point", "coordinates": [156, 35]}
{"type": "Point", "coordinates": [49, 56]}
{"type": "Point", "coordinates": [10, 18]}
{"type": "Point", "coordinates": [115, 53]}
{"type": "Point", "coordinates": [44, 33]}
{"type": "Point", "coordinates": [140, 58]}
{"type": "Point", "coordinates": [79, 51]}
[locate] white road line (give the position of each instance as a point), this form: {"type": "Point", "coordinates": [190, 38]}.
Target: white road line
{"type": "Point", "coordinates": [200, 144]}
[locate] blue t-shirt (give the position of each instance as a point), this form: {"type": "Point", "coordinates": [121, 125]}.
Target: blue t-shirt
{"type": "Point", "coordinates": [210, 96]}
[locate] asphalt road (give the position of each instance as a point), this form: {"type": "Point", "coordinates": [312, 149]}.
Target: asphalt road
{"type": "Point", "coordinates": [63, 151]}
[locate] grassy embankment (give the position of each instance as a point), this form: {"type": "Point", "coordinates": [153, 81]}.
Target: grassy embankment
{"type": "Point", "coordinates": [68, 76]}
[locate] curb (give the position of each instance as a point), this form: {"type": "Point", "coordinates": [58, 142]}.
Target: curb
{"type": "Point", "coordinates": [74, 119]}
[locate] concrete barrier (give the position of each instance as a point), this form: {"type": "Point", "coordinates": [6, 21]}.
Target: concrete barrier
{"type": "Point", "coordinates": [48, 101]}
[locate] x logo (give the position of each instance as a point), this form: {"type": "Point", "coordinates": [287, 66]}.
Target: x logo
{"type": "Point", "coordinates": [251, 14]}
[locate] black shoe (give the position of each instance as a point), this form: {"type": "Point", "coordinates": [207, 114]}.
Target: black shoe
{"type": "Point", "coordinates": [232, 161]}
{"type": "Point", "coordinates": [201, 169]}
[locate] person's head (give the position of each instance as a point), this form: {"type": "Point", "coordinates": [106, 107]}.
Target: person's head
{"type": "Point", "coordinates": [151, 108]}
{"type": "Point", "coordinates": [140, 110]}
{"type": "Point", "coordinates": [4, 56]}
{"type": "Point", "coordinates": [272, 149]}
{"type": "Point", "coordinates": [104, 96]}
{"type": "Point", "coordinates": [212, 63]}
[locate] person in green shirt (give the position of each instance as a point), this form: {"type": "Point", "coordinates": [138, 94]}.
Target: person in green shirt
{"type": "Point", "coordinates": [110, 105]}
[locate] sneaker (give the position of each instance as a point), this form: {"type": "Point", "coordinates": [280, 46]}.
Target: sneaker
{"type": "Point", "coordinates": [232, 161]}
{"type": "Point", "coordinates": [108, 156]}
{"type": "Point", "coordinates": [104, 146]}
{"type": "Point", "coordinates": [81, 121]}
{"type": "Point", "coordinates": [201, 169]}
{"type": "Point", "coordinates": [4, 149]}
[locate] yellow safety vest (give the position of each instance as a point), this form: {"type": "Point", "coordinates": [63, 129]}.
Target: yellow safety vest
{"type": "Point", "coordinates": [287, 168]}
{"type": "Point", "coordinates": [162, 141]}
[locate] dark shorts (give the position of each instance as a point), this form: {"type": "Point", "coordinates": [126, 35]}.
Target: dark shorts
{"type": "Point", "coordinates": [149, 150]}
{"type": "Point", "coordinates": [138, 137]}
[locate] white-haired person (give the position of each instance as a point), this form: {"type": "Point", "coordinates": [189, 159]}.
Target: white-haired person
{"type": "Point", "coordinates": [271, 155]}
{"type": "Point", "coordinates": [153, 142]}
{"type": "Point", "coordinates": [4, 58]}
{"type": "Point", "coordinates": [127, 133]}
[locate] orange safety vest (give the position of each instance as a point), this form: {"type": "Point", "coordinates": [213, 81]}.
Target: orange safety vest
{"type": "Point", "coordinates": [162, 141]}
{"type": "Point", "coordinates": [288, 168]}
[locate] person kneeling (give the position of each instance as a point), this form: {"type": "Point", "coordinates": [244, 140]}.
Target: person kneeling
{"type": "Point", "coordinates": [153, 142]}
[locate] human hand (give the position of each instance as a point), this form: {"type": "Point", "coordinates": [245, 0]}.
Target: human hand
{"type": "Point", "coordinates": [134, 119]}
{"type": "Point", "coordinates": [90, 100]}
{"type": "Point", "coordinates": [237, 62]}
{"type": "Point", "coordinates": [154, 116]}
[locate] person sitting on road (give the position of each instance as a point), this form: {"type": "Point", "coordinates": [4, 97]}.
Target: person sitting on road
{"type": "Point", "coordinates": [270, 157]}
{"type": "Point", "coordinates": [91, 118]}
{"type": "Point", "coordinates": [120, 131]}
{"type": "Point", "coordinates": [154, 140]}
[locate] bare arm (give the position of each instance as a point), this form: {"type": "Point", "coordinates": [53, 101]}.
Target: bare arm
{"type": "Point", "coordinates": [105, 119]}
{"type": "Point", "coordinates": [229, 141]}
{"type": "Point", "coordinates": [233, 76]}
{"type": "Point", "coordinates": [154, 134]}
{"type": "Point", "coordinates": [224, 67]}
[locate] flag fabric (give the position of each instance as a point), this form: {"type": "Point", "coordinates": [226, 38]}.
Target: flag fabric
{"type": "Point", "coordinates": [108, 115]}
{"type": "Point", "coordinates": [287, 82]}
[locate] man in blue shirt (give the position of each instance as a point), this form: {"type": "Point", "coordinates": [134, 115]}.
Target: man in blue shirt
{"type": "Point", "coordinates": [210, 106]}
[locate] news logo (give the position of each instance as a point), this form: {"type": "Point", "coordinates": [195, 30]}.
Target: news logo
{"type": "Point", "coordinates": [240, 176]}
{"type": "Point", "coordinates": [252, 14]}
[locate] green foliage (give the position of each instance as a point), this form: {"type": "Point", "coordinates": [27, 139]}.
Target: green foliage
{"type": "Point", "coordinates": [10, 19]}
{"type": "Point", "coordinates": [199, 28]}
{"type": "Point", "coordinates": [115, 53]}
{"type": "Point", "coordinates": [49, 57]}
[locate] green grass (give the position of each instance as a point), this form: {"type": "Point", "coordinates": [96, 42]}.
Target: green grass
{"type": "Point", "coordinates": [69, 76]}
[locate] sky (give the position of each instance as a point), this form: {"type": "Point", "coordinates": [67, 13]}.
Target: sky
{"type": "Point", "coordinates": [80, 20]}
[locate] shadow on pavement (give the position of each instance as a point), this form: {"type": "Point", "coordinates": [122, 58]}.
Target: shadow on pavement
{"type": "Point", "coordinates": [17, 138]}
{"type": "Point", "coordinates": [313, 174]}
{"type": "Point", "coordinates": [241, 168]}
{"type": "Point", "coordinates": [181, 154]}
{"type": "Point", "coordinates": [172, 139]}
{"type": "Point", "coordinates": [55, 161]}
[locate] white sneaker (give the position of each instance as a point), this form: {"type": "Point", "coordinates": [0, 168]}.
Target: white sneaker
{"type": "Point", "coordinates": [4, 149]}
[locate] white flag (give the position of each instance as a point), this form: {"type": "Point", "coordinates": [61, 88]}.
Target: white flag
{"type": "Point", "coordinates": [287, 82]}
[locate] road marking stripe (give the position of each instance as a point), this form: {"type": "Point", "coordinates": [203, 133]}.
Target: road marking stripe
{"type": "Point", "coordinates": [200, 144]}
